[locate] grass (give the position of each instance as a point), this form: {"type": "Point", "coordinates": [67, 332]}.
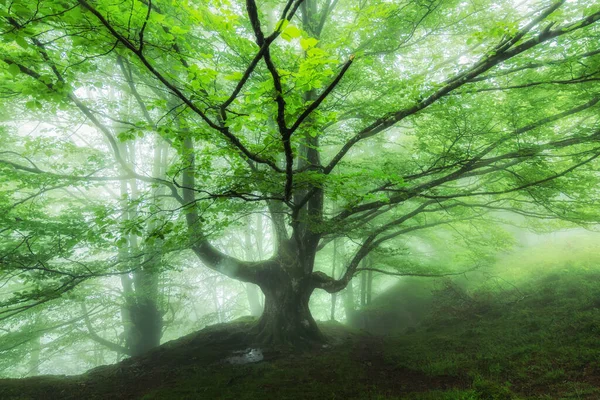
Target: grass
{"type": "Point", "coordinates": [540, 342]}
{"type": "Point", "coordinates": [543, 345]}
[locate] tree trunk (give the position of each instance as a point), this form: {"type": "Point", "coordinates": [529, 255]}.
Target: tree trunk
{"type": "Point", "coordinates": [333, 262]}
{"type": "Point", "coordinates": [142, 319]}
{"type": "Point", "coordinates": [215, 298]}
{"type": "Point", "coordinates": [286, 318]}
{"type": "Point", "coordinates": [349, 304]}
{"type": "Point", "coordinates": [141, 316]}
{"type": "Point", "coordinates": [34, 357]}
{"type": "Point", "coordinates": [254, 253]}
{"type": "Point", "coordinates": [363, 288]}
{"type": "Point", "coordinates": [369, 286]}
{"type": "Point", "coordinates": [146, 327]}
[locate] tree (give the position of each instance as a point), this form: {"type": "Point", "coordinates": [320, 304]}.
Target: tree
{"type": "Point", "coordinates": [402, 115]}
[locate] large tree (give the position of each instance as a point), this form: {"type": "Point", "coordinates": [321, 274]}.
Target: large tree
{"type": "Point", "coordinates": [367, 119]}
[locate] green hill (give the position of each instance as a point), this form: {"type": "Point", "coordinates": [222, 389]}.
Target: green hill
{"type": "Point", "coordinates": [538, 341]}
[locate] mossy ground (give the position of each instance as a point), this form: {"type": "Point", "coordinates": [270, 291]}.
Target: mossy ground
{"type": "Point", "coordinates": [543, 345]}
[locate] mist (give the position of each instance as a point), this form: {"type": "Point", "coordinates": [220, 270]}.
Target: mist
{"type": "Point", "coordinates": [299, 199]}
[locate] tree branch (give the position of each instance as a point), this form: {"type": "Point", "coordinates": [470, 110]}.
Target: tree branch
{"type": "Point", "coordinates": [499, 55]}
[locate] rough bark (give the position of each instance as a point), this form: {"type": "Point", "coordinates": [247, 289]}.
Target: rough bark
{"type": "Point", "coordinates": [286, 318]}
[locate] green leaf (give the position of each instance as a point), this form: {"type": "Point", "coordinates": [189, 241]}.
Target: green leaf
{"type": "Point", "coordinates": [315, 52]}
{"type": "Point", "coordinates": [291, 32]}
{"type": "Point", "coordinates": [14, 69]}
{"type": "Point", "coordinates": [127, 135]}
{"type": "Point", "coordinates": [22, 42]}
{"type": "Point", "coordinates": [236, 76]}
{"type": "Point", "coordinates": [177, 30]}
{"type": "Point", "coordinates": [308, 43]}
{"type": "Point", "coordinates": [33, 105]}
{"type": "Point", "coordinates": [281, 25]}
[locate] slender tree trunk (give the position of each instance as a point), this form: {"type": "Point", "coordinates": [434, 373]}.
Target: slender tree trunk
{"type": "Point", "coordinates": [98, 354]}
{"type": "Point", "coordinates": [34, 357]}
{"type": "Point", "coordinates": [369, 286]}
{"type": "Point", "coordinates": [215, 298]}
{"type": "Point", "coordinates": [146, 329]}
{"type": "Point", "coordinates": [366, 283]}
{"type": "Point", "coordinates": [333, 306]}
{"type": "Point", "coordinates": [259, 234]}
{"type": "Point", "coordinates": [363, 288]}
{"type": "Point", "coordinates": [334, 295]}
{"type": "Point", "coordinates": [142, 319]}
{"type": "Point", "coordinates": [349, 305]}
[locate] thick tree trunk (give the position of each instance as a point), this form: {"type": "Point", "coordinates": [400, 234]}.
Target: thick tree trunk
{"type": "Point", "coordinates": [286, 318]}
{"type": "Point", "coordinates": [141, 316]}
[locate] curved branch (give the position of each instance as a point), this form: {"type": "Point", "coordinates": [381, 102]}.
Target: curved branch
{"type": "Point", "coordinates": [97, 338]}
{"type": "Point", "coordinates": [416, 274]}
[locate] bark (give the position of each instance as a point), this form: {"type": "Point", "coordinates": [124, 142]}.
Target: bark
{"type": "Point", "coordinates": [349, 305]}
{"type": "Point", "coordinates": [333, 306]}
{"type": "Point", "coordinates": [286, 318]}
{"type": "Point", "coordinates": [144, 316]}
{"type": "Point", "coordinates": [146, 327]}
{"type": "Point", "coordinates": [363, 289]}
{"type": "Point", "coordinates": [369, 286]}
{"type": "Point", "coordinates": [334, 295]}
{"type": "Point", "coordinates": [366, 283]}
{"type": "Point", "coordinates": [217, 304]}
{"type": "Point", "coordinates": [141, 316]}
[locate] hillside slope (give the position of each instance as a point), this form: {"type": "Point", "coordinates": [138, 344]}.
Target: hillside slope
{"type": "Point", "coordinates": [542, 343]}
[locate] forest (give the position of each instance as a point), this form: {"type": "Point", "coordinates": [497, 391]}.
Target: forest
{"type": "Point", "coordinates": [300, 199]}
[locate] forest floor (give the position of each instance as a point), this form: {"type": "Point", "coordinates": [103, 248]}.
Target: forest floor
{"type": "Point", "coordinates": [544, 346]}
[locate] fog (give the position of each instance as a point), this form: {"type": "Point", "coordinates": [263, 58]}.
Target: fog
{"type": "Point", "coordinates": [299, 199]}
